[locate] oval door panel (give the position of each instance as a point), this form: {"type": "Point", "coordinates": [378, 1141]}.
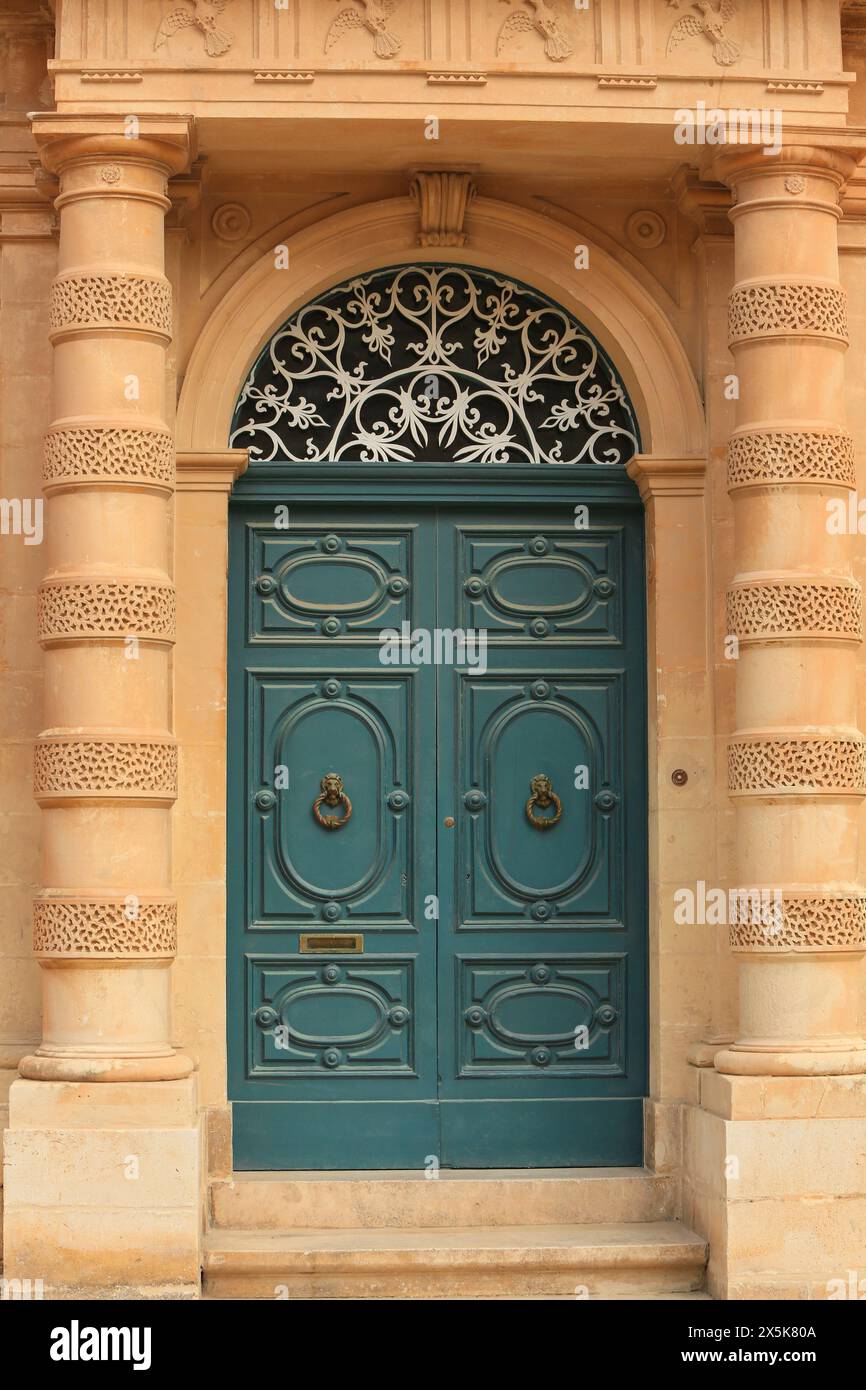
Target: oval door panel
{"type": "Point", "coordinates": [535, 1015]}
{"type": "Point", "coordinates": [331, 584]}
{"type": "Point", "coordinates": [325, 1014]}
{"type": "Point", "coordinates": [539, 738]}
{"type": "Point", "coordinates": [540, 586]}
{"type": "Point", "coordinates": [342, 738]}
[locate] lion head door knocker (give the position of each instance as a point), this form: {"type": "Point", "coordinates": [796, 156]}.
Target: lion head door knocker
{"type": "Point", "coordinates": [543, 796]}
{"type": "Point", "coordinates": [331, 795]}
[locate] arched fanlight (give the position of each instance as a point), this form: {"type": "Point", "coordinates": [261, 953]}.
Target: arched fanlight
{"type": "Point", "coordinates": [434, 364]}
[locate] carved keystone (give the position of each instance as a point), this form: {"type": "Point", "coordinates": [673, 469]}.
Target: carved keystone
{"type": "Point", "coordinates": [442, 199]}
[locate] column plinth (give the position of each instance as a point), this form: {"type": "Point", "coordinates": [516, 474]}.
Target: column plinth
{"type": "Point", "coordinates": [106, 761]}
{"type": "Point", "coordinates": [796, 760]}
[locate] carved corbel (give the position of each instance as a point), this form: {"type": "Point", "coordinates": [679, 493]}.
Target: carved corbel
{"type": "Point", "coordinates": [442, 197]}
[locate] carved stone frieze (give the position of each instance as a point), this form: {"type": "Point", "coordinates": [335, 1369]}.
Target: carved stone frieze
{"type": "Point", "coordinates": [801, 608]}
{"type": "Point", "coordinates": [806, 922]}
{"type": "Point", "coordinates": [542, 20]}
{"type": "Point", "coordinates": [69, 609]}
{"type": "Point", "coordinates": [374, 16]}
{"type": "Point", "coordinates": [792, 766]}
{"type": "Point", "coordinates": [204, 15]}
{"type": "Point", "coordinates": [111, 301]}
{"type": "Point", "coordinates": [779, 308]}
{"type": "Point", "coordinates": [112, 454]}
{"type": "Point", "coordinates": [115, 927]}
{"type": "Point", "coordinates": [758, 458]}
{"type": "Point", "coordinates": [72, 768]}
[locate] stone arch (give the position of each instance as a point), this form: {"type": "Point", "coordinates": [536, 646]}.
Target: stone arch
{"type": "Point", "coordinates": [513, 242]}
{"type": "Point", "coordinates": [637, 336]}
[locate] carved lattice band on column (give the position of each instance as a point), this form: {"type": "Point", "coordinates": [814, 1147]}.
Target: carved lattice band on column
{"type": "Point", "coordinates": [775, 308]}
{"type": "Point", "coordinates": [123, 928]}
{"type": "Point", "coordinates": [78, 609]}
{"type": "Point", "coordinates": [806, 922]}
{"type": "Point", "coordinates": [759, 457]}
{"type": "Point", "coordinates": [72, 768]}
{"type": "Point", "coordinates": [142, 302]}
{"type": "Point", "coordinates": [785, 766]}
{"type": "Point", "coordinates": [108, 454]}
{"type": "Point", "coordinates": [804, 608]}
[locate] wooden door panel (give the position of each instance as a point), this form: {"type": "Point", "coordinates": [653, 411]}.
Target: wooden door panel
{"type": "Point", "coordinates": [355, 725]}
{"type": "Point", "coordinates": [334, 1015]}
{"type": "Point", "coordinates": [318, 583]}
{"type": "Point", "coordinates": [514, 726]}
{"type": "Point", "coordinates": [520, 583]}
{"type": "Point", "coordinates": [522, 1015]}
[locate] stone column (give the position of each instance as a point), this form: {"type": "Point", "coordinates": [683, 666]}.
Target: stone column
{"type": "Point", "coordinates": [106, 763]}
{"type": "Point", "coordinates": [91, 1152]}
{"type": "Point", "coordinates": [796, 761]}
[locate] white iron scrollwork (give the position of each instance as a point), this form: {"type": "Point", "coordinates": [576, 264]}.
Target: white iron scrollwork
{"type": "Point", "coordinates": [437, 364]}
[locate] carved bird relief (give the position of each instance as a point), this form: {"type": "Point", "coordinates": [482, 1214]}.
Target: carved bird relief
{"type": "Point", "coordinates": [712, 23]}
{"type": "Point", "coordinates": [543, 22]}
{"type": "Point", "coordinates": [204, 17]}
{"type": "Point", "coordinates": [374, 20]}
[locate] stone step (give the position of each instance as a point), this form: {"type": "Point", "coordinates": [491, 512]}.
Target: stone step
{"type": "Point", "coordinates": [642, 1259]}
{"type": "Point", "coordinates": [458, 1197]}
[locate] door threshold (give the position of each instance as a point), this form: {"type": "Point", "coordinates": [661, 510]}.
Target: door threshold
{"type": "Point", "coordinates": [444, 1174]}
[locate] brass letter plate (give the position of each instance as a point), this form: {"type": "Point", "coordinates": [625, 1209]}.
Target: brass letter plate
{"type": "Point", "coordinates": [346, 943]}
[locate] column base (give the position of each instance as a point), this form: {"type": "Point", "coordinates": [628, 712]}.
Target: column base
{"type": "Point", "coordinates": [840, 1058]}
{"type": "Point", "coordinates": [41, 1066]}
{"type": "Point", "coordinates": [103, 1189]}
{"type": "Point", "coordinates": [704, 1053]}
{"type": "Point", "coordinates": [774, 1178]}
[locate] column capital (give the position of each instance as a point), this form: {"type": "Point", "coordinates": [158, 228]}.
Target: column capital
{"type": "Point", "coordinates": [166, 140]}
{"type": "Point", "coordinates": [736, 163]}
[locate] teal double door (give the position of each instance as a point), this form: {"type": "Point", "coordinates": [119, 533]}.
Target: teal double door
{"type": "Point", "coordinates": [437, 826]}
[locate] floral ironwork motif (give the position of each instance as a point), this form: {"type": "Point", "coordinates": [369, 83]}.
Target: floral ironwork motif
{"type": "Point", "coordinates": [437, 364]}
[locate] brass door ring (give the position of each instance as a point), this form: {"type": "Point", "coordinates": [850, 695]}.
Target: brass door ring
{"type": "Point", "coordinates": [332, 794]}
{"type": "Point", "coordinates": [543, 796]}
